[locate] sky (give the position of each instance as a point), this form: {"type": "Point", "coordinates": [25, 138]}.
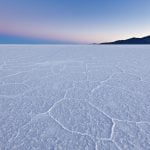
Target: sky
{"type": "Point", "coordinates": [73, 21]}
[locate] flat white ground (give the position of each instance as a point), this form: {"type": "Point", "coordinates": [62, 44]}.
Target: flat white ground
{"type": "Point", "coordinates": [74, 97]}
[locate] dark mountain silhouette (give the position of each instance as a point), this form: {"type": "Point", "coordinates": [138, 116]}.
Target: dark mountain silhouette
{"type": "Point", "coordinates": [143, 40]}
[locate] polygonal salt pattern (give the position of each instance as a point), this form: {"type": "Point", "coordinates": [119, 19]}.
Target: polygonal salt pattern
{"type": "Point", "coordinates": [130, 82]}
{"type": "Point", "coordinates": [80, 116]}
{"type": "Point", "coordinates": [121, 104]}
{"type": "Point", "coordinates": [132, 136]}
{"type": "Point", "coordinates": [74, 97]}
{"type": "Point", "coordinates": [45, 133]}
{"type": "Point", "coordinates": [18, 111]}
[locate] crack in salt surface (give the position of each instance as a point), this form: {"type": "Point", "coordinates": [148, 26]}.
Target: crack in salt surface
{"type": "Point", "coordinates": [115, 119]}
{"type": "Point", "coordinates": [76, 132]}
{"type": "Point", "coordinates": [112, 119]}
{"type": "Point", "coordinates": [124, 89]}
{"type": "Point", "coordinates": [92, 107]}
{"type": "Point", "coordinates": [32, 118]}
{"type": "Point", "coordinates": [54, 105]}
{"type": "Point", "coordinates": [113, 123]}
{"type": "Point", "coordinates": [103, 82]}
{"type": "Point", "coordinates": [61, 125]}
{"type": "Point", "coordinates": [70, 131]}
{"type": "Point", "coordinates": [11, 75]}
{"type": "Point", "coordinates": [99, 110]}
{"type": "Point", "coordinates": [16, 84]}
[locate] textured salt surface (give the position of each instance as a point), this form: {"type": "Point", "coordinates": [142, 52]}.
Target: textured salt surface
{"type": "Point", "coordinates": [74, 97]}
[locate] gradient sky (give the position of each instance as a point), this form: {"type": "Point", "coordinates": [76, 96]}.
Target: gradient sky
{"type": "Point", "coordinates": [74, 21]}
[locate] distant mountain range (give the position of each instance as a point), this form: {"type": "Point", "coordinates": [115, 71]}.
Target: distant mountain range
{"type": "Point", "coordinates": [143, 40]}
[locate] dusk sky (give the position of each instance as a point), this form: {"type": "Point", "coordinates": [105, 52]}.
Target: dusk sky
{"type": "Point", "coordinates": [73, 21]}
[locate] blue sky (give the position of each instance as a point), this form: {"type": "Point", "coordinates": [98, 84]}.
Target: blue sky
{"type": "Point", "coordinates": [73, 21]}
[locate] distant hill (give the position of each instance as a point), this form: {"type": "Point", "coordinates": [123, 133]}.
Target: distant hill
{"type": "Point", "coordinates": [143, 40]}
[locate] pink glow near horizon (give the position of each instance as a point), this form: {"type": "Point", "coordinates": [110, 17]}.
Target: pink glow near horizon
{"type": "Point", "coordinates": [48, 32]}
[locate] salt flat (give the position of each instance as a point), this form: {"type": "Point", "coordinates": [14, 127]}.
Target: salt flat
{"type": "Point", "coordinates": [74, 97]}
